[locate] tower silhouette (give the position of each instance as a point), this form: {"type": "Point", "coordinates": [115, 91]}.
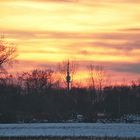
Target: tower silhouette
{"type": "Point", "coordinates": [68, 77]}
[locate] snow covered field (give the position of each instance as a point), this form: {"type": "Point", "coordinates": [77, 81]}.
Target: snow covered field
{"type": "Point", "coordinates": [71, 129]}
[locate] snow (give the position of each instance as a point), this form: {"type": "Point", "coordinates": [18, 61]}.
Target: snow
{"type": "Point", "coordinates": [71, 129]}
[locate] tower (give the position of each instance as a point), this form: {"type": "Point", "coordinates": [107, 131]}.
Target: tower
{"type": "Point", "coordinates": [68, 77]}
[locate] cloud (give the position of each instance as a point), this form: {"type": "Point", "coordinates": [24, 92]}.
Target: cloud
{"type": "Point", "coordinates": [127, 34]}
{"type": "Point", "coordinates": [90, 1]}
{"type": "Point", "coordinates": [119, 43]}
{"type": "Point", "coordinates": [126, 46]}
{"type": "Point", "coordinates": [131, 29]}
{"type": "Point", "coordinates": [120, 67]}
{"type": "Point", "coordinates": [129, 68]}
{"type": "Point", "coordinates": [40, 0]}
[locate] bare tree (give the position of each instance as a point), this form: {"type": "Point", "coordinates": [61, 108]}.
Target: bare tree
{"type": "Point", "coordinates": [100, 74]}
{"type": "Point", "coordinates": [37, 81]}
{"type": "Point", "coordinates": [7, 53]}
{"type": "Point", "coordinates": [97, 78]}
{"type": "Point", "coordinates": [92, 86]}
{"type": "Point", "coordinates": [91, 69]}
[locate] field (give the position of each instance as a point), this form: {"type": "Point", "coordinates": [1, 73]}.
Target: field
{"type": "Point", "coordinates": [70, 130]}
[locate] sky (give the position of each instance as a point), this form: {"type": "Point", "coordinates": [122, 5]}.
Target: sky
{"type": "Point", "coordinates": [98, 32]}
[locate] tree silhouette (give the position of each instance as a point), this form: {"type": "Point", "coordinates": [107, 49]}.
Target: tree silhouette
{"type": "Point", "coordinates": [7, 53]}
{"type": "Point", "coordinates": [37, 81]}
{"type": "Point", "coordinates": [97, 79]}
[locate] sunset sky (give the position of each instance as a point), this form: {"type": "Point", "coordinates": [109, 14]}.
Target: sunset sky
{"type": "Point", "coordinates": [46, 32]}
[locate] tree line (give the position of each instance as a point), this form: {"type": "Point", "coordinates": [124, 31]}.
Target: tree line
{"type": "Point", "coordinates": [36, 96]}
{"type": "Point", "coordinates": [39, 96]}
